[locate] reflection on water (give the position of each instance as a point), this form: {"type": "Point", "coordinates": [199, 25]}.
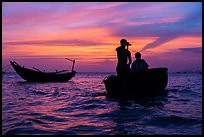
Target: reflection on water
{"type": "Point", "coordinates": [81, 107]}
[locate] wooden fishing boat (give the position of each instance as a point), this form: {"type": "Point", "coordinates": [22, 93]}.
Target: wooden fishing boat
{"type": "Point", "coordinates": [151, 82]}
{"type": "Point", "coordinates": [36, 75]}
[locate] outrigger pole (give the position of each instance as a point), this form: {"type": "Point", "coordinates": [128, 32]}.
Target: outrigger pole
{"type": "Point", "coordinates": [72, 64]}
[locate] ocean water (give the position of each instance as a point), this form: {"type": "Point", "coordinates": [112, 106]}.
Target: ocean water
{"type": "Point", "coordinates": [81, 107]}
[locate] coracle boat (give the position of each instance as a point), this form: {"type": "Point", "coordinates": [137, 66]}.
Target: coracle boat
{"type": "Point", "coordinates": [40, 76]}
{"type": "Point", "coordinates": [148, 83]}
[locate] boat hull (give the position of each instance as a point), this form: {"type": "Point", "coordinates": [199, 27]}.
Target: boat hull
{"type": "Point", "coordinates": [36, 76]}
{"type": "Point", "coordinates": [151, 82]}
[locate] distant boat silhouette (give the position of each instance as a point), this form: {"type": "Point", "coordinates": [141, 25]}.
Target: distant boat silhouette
{"type": "Point", "coordinates": [148, 83]}
{"type": "Point", "coordinates": [39, 76]}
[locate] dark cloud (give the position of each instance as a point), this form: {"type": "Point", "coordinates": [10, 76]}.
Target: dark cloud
{"type": "Point", "coordinates": [192, 50]}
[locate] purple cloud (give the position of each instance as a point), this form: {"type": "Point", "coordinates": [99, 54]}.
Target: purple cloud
{"type": "Point", "coordinates": [192, 50]}
{"type": "Point", "coordinates": [189, 25]}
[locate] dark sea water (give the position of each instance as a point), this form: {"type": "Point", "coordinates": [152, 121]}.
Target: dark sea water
{"type": "Point", "coordinates": [80, 107]}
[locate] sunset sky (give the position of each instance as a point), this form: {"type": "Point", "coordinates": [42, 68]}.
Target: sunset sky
{"type": "Point", "coordinates": [42, 34]}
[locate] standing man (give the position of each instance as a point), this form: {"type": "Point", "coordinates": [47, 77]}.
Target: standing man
{"type": "Point", "coordinates": [124, 58]}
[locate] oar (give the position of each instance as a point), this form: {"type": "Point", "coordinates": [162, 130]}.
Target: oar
{"type": "Point", "coordinates": [61, 71]}
{"type": "Point", "coordinates": [37, 69]}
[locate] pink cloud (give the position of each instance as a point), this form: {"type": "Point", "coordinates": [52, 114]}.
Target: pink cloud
{"type": "Point", "coordinates": [73, 42]}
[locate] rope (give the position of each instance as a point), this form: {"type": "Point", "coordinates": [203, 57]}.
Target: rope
{"type": "Point", "coordinates": [9, 65]}
{"type": "Point", "coordinates": [6, 66]}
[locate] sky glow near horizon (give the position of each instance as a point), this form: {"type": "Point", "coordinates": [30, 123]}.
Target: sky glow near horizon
{"type": "Point", "coordinates": [42, 34]}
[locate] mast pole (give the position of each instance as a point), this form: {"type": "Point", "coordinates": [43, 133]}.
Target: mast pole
{"type": "Point", "coordinates": [72, 64]}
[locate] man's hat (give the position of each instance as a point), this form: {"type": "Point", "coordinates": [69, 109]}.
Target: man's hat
{"type": "Point", "coordinates": [125, 41]}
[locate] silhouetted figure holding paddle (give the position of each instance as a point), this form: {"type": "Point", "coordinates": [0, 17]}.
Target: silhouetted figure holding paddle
{"type": "Point", "coordinates": [124, 58]}
{"type": "Point", "coordinates": [139, 64]}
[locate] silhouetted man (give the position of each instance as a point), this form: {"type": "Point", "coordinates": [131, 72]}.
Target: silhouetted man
{"type": "Point", "coordinates": [124, 58]}
{"type": "Point", "coordinates": [139, 64]}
